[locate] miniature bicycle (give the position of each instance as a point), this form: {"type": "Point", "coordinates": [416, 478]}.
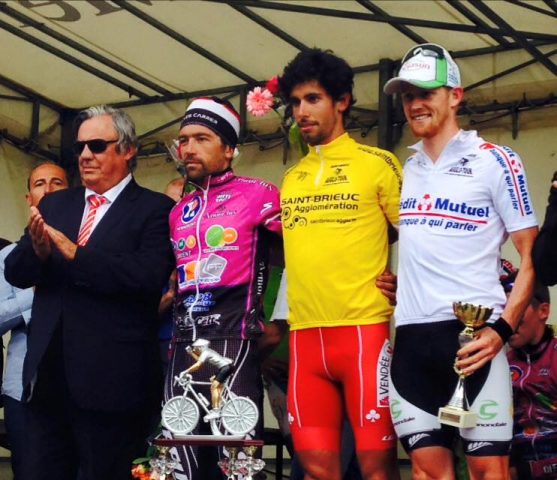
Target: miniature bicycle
{"type": "Point", "coordinates": [180, 414]}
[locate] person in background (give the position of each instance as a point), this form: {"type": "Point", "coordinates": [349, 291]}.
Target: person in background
{"type": "Point", "coordinates": [533, 360]}
{"type": "Point", "coordinates": [545, 248]}
{"type": "Point", "coordinates": [15, 315]}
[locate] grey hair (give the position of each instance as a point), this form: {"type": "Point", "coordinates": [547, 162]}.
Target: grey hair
{"type": "Point", "coordinates": [123, 124]}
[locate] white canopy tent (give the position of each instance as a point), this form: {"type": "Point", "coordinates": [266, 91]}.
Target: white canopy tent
{"type": "Point", "coordinates": [151, 57]}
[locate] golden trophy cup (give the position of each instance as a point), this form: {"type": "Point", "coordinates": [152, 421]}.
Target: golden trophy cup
{"type": "Point", "coordinates": [457, 412]}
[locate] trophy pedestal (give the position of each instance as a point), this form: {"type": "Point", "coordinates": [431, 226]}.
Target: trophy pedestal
{"type": "Point", "coordinates": [457, 417]}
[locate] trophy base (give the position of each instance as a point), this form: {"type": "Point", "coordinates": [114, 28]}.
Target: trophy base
{"type": "Point", "coordinates": [456, 417]}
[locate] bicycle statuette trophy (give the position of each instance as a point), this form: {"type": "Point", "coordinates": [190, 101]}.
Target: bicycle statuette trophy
{"type": "Point", "coordinates": [457, 412]}
{"type": "Point", "coordinates": [230, 416]}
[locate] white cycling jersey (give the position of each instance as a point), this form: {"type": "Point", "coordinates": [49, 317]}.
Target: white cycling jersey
{"type": "Point", "coordinates": [454, 216]}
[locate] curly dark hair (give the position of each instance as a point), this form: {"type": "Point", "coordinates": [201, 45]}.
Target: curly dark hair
{"type": "Point", "coordinates": [332, 73]}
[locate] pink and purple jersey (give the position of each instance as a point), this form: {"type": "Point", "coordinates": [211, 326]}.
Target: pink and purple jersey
{"type": "Point", "coordinates": [220, 235]}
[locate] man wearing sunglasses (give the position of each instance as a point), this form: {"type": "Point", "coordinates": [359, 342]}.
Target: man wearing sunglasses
{"type": "Point", "coordinates": [532, 360]}
{"type": "Point", "coordinates": [221, 232]}
{"type": "Point", "coordinates": [99, 256]}
{"type": "Point", "coordinates": [461, 198]}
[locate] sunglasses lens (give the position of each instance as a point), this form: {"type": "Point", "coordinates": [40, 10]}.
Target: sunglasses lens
{"type": "Point", "coordinates": [78, 147]}
{"type": "Point", "coordinates": [97, 145]}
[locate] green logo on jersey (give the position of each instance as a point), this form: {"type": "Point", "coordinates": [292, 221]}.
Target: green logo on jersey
{"type": "Point", "coordinates": [487, 410]}
{"type": "Point", "coordinates": [395, 411]}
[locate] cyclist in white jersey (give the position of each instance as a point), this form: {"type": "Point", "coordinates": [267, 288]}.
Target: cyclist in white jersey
{"type": "Point", "coordinates": [461, 198]}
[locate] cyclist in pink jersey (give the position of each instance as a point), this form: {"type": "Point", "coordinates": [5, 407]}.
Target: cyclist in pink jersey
{"type": "Point", "coordinates": [221, 233]}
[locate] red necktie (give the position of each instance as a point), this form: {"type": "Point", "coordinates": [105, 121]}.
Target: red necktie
{"type": "Point", "coordinates": [95, 201]}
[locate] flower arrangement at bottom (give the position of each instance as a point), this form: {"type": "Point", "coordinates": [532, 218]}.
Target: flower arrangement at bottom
{"type": "Point", "coordinates": [142, 471]}
{"type": "Point", "coordinates": [262, 100]}
{"type": "Point", "coordinates": [157, 465]}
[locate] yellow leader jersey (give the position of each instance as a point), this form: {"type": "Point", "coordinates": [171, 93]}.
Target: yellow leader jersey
{"type": "Point", "coordinates": [336, 205]}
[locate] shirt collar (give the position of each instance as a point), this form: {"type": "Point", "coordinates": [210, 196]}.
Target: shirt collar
{"type": "Point", "coordinates": [111, 194]}
{"type": "Point", "coordinates": [338, 142]}
{"type": "Point", "coordinates": [462, 138]}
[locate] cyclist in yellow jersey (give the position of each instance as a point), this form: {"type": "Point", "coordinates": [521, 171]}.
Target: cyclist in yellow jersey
{"type": "Point", "coordinates": [337, 204]}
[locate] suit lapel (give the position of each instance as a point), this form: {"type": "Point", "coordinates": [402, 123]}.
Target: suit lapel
{"type": "Point", "coordinates": [73, 214]}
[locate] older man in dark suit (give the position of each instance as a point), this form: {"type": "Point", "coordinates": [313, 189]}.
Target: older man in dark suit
{"type": "Point", "coordinates": [99, 256]}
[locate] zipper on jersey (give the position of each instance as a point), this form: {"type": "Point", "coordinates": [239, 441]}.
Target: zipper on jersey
{"type": "Point", "coordinates": [321, 166]}
{"type": "Point", "coordinates": [199, 255]}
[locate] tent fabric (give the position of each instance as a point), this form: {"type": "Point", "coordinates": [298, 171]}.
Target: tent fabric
{"type": "Point", "coordinates": [154, 55]}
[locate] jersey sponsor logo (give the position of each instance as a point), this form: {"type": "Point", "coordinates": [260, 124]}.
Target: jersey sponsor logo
{"type": "Point", "coordinates": [443, 213]}
{"type": "Point", "coordinates": [217, 237]}
{"type": "Point", "coordinates": [191, 242]}
{"type": "Point", "coordinates": [530, 431]}
{"type": "Point", "coordinates": [266, 206]}
{"type": "Point", "coordinates": [488, 410]}
{"type": "Point", "coordinates": [387, 158]}
{"type": "Point", "coordinates": [201, 303]}
{"type": "Point", "coordinates": [208, 320]}
{"type": "Point", "coordinates": [388, 438]}
{"type": "Point", "coordinates": [290, 418]}
{"type": "Point", "coordinates": [514, 177]}
{"type": "Point", "coordinates": [338, 176]}
{"type": "Point", "coordinates": [426, 203]}
{"type": "Point", "coordinates": [190, 210]}
{"type": "Point", "coordinates": [373, 416]}
{"type": "Point", "coordinates": [463, 168]}
{"type": "Point", "coordinates": [308, 199]}
{"type": "Point", "coordinates": [223, 197]}
{"type": "Point", "coordinates": [321, 203]}
{"type": "Point", "coordinates": [383, 367]}
{"type": "Point", "coordinates": [545, 468]}
{"type": "Point", "coordinates": [290, 221]}
{"type": "Point", "coordinates": [208, 270]}
{"type": "Point", "coordinates": [416, 438]}
{"type": "Point", "coordinates": [474, 446]}
{"type": "Point", "coordinates": [544, 372]}
{"type": "Point", "coordinates": [301, 175]}
{"type": "Point", "coordinates": [396, 411]}
{"type": "Point", "coordinates": [516, 373]}
{"type": "Point", "coordinates": [222, 211]}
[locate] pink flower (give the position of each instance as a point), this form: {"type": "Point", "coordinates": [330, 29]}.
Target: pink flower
{"type": "Point", "coordinates": [259, 102]}
{"type": "Point", "coordinates": [273, 85]}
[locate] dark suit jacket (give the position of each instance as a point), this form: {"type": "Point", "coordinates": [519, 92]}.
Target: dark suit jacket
{"type": "Point", "coordinates": [106, 299]}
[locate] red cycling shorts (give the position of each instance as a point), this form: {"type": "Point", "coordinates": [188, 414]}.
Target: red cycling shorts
{"type": "Point", "coordinates": [338, 369]}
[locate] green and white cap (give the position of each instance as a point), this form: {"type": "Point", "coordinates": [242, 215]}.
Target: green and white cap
{"type": "Point", "coordinates": [427, 66]}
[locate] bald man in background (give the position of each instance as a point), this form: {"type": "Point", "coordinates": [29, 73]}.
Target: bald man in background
{"type": "Point", "coordinates": [15, 315]}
